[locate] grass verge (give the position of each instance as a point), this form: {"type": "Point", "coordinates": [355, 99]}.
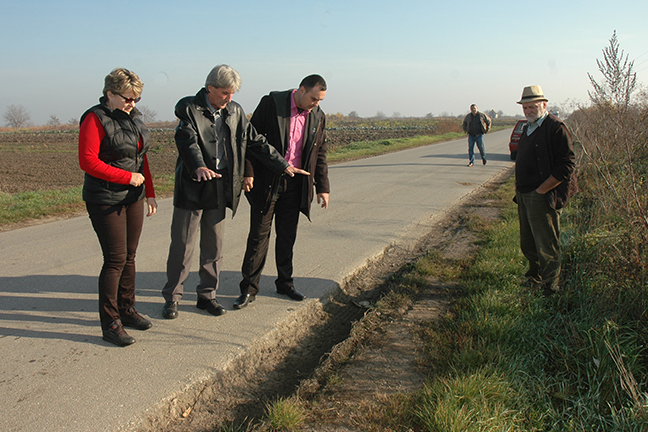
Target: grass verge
{"type": "Point", "coordinates": [25, 206]}
{"type": "Point", "coordinates": [363, 149]}
{"type": "Point", "coordinates": [507, 358]}
{"type": "Point", "coordinates": [514, 360]}
{"type": "Point", "coordinates": [22, 206]}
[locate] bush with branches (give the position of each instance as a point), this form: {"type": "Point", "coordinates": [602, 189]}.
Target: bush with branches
{"type": "Point", "coordinates": [17, 116]}
{"type": "Point", "coordinates": [614, 144]}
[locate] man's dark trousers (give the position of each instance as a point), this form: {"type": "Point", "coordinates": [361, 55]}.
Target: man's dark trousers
{"type": "Point", "coordinates": [540, 238]}
{"type": "Point", "coordinates": [285, 211]}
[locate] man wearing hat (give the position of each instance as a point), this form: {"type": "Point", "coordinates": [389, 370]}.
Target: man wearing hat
{"type": "Point", "coordinates": [544, 182]}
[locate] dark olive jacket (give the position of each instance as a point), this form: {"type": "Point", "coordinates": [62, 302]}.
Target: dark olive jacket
{"type": "Point", "coordinates": [548, 151]}
{"type": "Point", "coordinates": [272, 119]}
{"type": "Point", "coordinates": [195, 138]}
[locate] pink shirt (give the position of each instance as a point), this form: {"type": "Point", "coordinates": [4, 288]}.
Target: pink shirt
{"type": "Point", "coordinates": [297, 123]}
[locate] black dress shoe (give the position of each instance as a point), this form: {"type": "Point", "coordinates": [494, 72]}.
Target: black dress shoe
{"type": "Point", "coordinates": [292, 293]}
{"type": "Point", "coordinates": [170, 310]}
{"type": "Point", "coordinates": [211, 306]}
{"type": "Point", "coordinates": [117, 335]}
{"type": "Point", "coordinates": [243, 300]}
{"type": "Point", "coordinates": [130, 318]}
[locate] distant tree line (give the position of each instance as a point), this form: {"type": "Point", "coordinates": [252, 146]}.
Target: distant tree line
{"type": "Point", "coordinates": [17, 117]}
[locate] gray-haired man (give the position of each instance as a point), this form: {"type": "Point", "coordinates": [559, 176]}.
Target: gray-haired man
{"type": "Point", "coordinates": [213, 138]}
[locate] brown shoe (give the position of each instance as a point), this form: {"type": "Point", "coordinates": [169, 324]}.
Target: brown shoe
{"type": "Point", "coordinates": [117, 335]}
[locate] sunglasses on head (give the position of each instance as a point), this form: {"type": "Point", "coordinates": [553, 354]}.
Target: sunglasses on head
{"type": "Point", "coordinates": [129, 100]}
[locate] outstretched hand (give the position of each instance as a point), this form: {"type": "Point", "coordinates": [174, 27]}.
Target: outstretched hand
{"type": "Point", "coordinates": [291, 171]}
{"type": "Point", "coordinates": [204, 173]}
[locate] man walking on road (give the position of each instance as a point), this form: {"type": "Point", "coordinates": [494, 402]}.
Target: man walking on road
{"type": "Point", "coordinates": [476, 124]}
{"type": "Point", "coordinates": [294, 124]}
{"type": "Point", "coordinates": [213, 138]}
{"type": "Point", "coordinates": [544, 182]}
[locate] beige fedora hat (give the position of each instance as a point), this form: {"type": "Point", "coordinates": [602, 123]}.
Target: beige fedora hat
{"type": "Point", "coordinates": [532, 94]}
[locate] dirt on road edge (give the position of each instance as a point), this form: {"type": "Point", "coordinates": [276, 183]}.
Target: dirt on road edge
{"type": "Point", "coordinates": [371, 354]}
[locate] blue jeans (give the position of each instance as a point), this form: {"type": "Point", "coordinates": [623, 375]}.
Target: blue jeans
{"type": "Point", "coordinates": [472, 139]}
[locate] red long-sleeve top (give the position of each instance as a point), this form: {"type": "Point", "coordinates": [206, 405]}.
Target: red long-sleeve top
{"type": "Point", "coordinates": [91, 133]}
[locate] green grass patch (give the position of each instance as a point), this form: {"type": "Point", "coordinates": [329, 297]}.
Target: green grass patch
{"type": "Point", "coordinates": [23, 206]}
{"type": "Point", "coordinates": [508, 359]}
{"type": "Point", "coordinates": [514, 360]}
{"type": "Point", "coordinates": [285, 414]}
{"type": "Point", "coordinates": [35, 205]}
{"type": "Point", "coordinates": [362, 149]}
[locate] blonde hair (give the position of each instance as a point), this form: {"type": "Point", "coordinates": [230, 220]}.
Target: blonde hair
{"type": "Point", "coordinates": [121, 80]}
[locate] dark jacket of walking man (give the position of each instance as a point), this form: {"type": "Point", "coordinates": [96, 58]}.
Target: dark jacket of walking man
{"type": "Point", "coordinates": [476, 124]}
{"type": "Point", "coordinates": [294, 124]}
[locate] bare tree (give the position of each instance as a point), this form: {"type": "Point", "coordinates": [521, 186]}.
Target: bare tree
{"type": "Point", "coordinates": [73, 122]}
{"type": "Point", "coordinates": [148, 115]}
{"type": "Point", "coordinates": [53, 120]}
{"type": "Point", "coordinates": [17, 116]}
{"type": "Point", "coordinates": [353, 114]}
{"type": "Point", "coordinates": [619, 79]}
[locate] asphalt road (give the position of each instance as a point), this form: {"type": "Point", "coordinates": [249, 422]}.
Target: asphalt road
{"type": "Point", "coordinates": [58, 374]}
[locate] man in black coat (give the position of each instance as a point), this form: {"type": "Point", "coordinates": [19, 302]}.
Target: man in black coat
{"type": "Point", "coordinates": [544, 182]}
{"type": "Point", "coordinates": [294, 125]}
{"type": "Point", "coordinates": [213, 138]}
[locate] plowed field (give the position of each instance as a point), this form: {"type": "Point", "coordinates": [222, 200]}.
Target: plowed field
{"type": "Point", "coordinates": [31, 161]}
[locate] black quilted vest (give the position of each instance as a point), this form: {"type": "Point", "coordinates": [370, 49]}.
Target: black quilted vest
{"type": "Point", "coordinates": [119, 149]}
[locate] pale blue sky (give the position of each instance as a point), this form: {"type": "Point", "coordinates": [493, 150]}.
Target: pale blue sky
{"type": "Point", "coordinates": [409, 57]}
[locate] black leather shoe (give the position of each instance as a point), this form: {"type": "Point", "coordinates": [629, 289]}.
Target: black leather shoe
{"type": "Point", "coordinates": [130, 318]}
{"type": "Point", "coordinates": [170, 310]}
{"type": "Point", "coordinates": [211, 306]}
{"type": "Point", "coordinates": [243, 300]}
{"type": "Point", "coordinates": [117, 335]}
{"type": "Point", "coordinates": [292, 293]}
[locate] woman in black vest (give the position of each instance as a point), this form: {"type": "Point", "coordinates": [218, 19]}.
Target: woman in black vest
{"type": "Point", "coordinates": [113, 142]}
